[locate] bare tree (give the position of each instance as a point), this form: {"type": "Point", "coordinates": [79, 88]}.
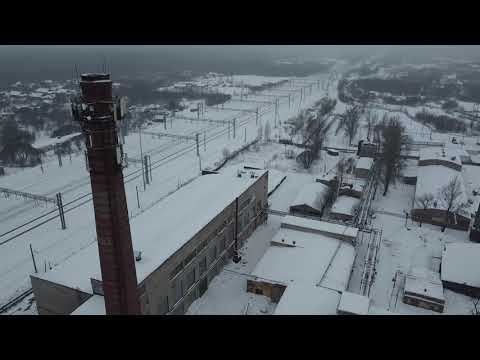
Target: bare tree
{"type": "Point", "coordinates": [391, 162]}
{"type": "Point", "coordinates": [476, 306]}
{"type": "Point", "coordinates": [450, 198]}
{"type": "Point", "coordinates": [425, 201]}
{"type": "Point", "coordinates": [371, 118]}
{"type": "Point", "coordinates": [349, 122]}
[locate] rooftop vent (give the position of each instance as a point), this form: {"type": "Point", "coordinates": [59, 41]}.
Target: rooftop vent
{"type": "Point", "coordinates": [138, 255]}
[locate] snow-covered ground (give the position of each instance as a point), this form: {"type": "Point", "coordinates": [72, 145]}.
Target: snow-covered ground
{"type": "Point", "coordinates": [174, 163]}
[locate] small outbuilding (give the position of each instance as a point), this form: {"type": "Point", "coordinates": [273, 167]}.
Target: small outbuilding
{"type": "Point", "coordinates": [344, 208]}
{"type": "Point", "coordinates": [363, 166]}
{"type": "Point", "coordinates": [424, 289]}
{"type": "Point", "coordinates": [353, 304]}
{"type": "Point", "coordinates": [310, 200]}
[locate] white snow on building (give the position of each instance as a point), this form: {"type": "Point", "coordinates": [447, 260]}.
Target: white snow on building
{"type": "Point", "coordinates": [353, 304]}
{"type": "Point", "coordinates": [311, 197]}
{"type": "Point", "coordinates": [344, 207]}
{"type": "Point", "coordinates": [460, 264]}
{"type": "Point", "coordinates": [159, 232]}
{"type": "Point", "coordinates": [312, 269]}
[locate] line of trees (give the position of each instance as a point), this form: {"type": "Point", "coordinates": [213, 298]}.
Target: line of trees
{"type": "Point", "coordinates": [441, 122]}
{"type": "Point", "coordinates": [16, 146]}
{"type": "Point", "coordinates": [349, 122]}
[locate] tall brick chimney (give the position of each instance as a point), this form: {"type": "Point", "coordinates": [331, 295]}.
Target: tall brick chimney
{"type": "Point", "coordinates": [99, 114]}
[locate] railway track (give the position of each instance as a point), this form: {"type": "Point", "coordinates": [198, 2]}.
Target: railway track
{"type": "Point", "coordinates": [4, 308]}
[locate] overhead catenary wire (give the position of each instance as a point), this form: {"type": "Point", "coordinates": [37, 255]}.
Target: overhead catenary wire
{"type": "Point", "coordinates": [164, 160]}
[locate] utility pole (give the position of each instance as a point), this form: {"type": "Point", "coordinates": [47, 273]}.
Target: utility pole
{"type": "Point", "coordinates": [138, 199]}
{"type": "Point", "coordinates": [245, 140]}
{"type": "Point", "coordinates": [204, 141]}
{"type": "Point", "coordinates": [33, 259]}
{"type": "Point", "coordinates": [60, 211]}
{"type": "Point", "coordinates": [234, 128]}
{"type": "Point", "coordinates": [141, 157]}
{"type": "Point", "coordinates": [256, 117]}
{"type": "Point", "coordinates": [198, 144]}
{"type": "Point", "coordinates": [147, 177]}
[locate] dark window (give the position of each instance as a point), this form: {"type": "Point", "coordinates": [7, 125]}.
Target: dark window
{"type": "Point", "coordinates": [212, 254]}
{"type": "Point", "coordinates": [203, 265]}
{"type": "Point", "coordinates": [190, 257]}
{"type": "Point", "coordinates": [223, 243]}
{"type": "Point", "coordinates": [175, 271]}
{"type": "Point", "coordinates": [258, 291]}
{"type": "Point", "coordinates": [190, 279]}
{"type": "Point", "coordinates": [176, 288]}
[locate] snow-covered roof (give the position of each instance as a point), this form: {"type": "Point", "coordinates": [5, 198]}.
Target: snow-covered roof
{"type": "Point", "coordinates": [424, 282]}
{"type": "Point", "coordinates": [374, 310]}
{"type": "Point", "coordinates": [312, 195]}
{"type": "Point", "coordinates": [431, 179]}
{"type": "Point", "coordinates": [354, 303]}
{"type": "Point", "coordinates": [315, 270]}
{"type": "Point", "coordinates": [304, 299]}
{"type": "Point", "coordinates": [321, 227]}
{"type": "Point", "coordinates": [440, 153]}
{"type": "Point", "coordinates": [93, 306]}
{"type": "Point", "coordinates": [160, 231]}
{"type": "Point", "coordinates": [460, 264]}
{"type": "Point", "coordinates": [311, 258]}
{"type": "Point", "coordinates": [345, 205]}
{"type": "Point", "coordinates": [364, 163]}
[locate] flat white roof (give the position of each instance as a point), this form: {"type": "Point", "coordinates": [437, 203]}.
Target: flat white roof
{"type": "Point", "coordinates": [364, 163]}
{"type": "Point", "coordinates": [93, 306]}
{"type": "Point", "coordinates": [160, 231]}
{"type": "Point", "coordinates": [354, 303]}
{"type": "Point", "coordinates": [324, 227]}
{"type": "Point", "coordinates": [304, 299]}
{"type": "Point", "coordinates": [313, 257]}
{"type": "Point", "coordinates": [344, 205]}
{"type": "Point", "coordinates": [315, 270]}
{"type": "Point", "coordinates": [424, 282]}
{"type": "Point", "coordinates": [461, 264]}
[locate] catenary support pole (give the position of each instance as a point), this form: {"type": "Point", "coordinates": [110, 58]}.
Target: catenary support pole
{"type": "Point", "coordinates": [33, 259]}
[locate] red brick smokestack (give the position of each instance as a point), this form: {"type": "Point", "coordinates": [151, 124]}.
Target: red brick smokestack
{"type": "Point", "coordinates": [117, 261]}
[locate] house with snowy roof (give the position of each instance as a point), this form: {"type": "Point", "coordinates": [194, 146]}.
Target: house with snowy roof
{"type": "Point", "coordinates": [311, 200]}
{"type": "Point", "coordinates": [437, 168]}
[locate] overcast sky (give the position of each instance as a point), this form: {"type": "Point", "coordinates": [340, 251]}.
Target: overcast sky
{"type": "Point", "coordinates": [58, 61]}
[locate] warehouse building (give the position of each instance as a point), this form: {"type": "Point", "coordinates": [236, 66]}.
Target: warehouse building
{"type": "Point", "coordinates": [423, 288]}
{"type": "Point", "coordinates": [180, 245]}
{"type": "Point", "coordinates": [304, 270]}
{"type": "Point", "coordinates": [436, 169]}
{"type": "Point", "coordinates": [460, 270]}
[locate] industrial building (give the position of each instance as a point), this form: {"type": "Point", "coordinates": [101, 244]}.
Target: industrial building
{"type": "Point", "coordinates": [460, 270]}
{"type": "Point", "coordinates": [344, 208]}
{"type": "Point", "coordinates": [305, 270]}
{"type": "Point", "coordinates": [436, 169]}
{"type": "Point", "coordinates": [179, 245]}
{"type": "Point", "coordinates": [424, 289]}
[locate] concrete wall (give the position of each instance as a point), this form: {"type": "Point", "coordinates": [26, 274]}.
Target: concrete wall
{"type": "Point", "coordinates": [304, 210]}
{"type": "Point", "coordinates": [410, 299]}
{"type": "Point", "coordinates": [163, 291]}
{"type": "Point", "coordinates": [446, 163]}
{"type": "Point", "coordinates": [271, 290]}
{"type": "Point", "coordinates": [55, 299]}
{"type": "Point", "coordinates": [462, 289]}
{"type": "Point", "coordinates": [437, 217]}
